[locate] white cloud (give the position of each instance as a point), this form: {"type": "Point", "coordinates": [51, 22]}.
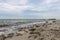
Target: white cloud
{"type": "Point", "coordinates": [46, 5]}
{"type": "Point", "coordinates": [9, 8]}
{"type": "Point", "coordinates": [20, 6]}
{"type": "Point", "coordinates": [50, 1]}
{"type": "Point", "coordinates": [13, 5]}
{"type": "Point", "coordinates": [15, 2]}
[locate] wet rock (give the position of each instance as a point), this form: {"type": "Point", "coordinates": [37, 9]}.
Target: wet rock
{"type": "Point", "coordinates": [37, 25]}
{"type": "Point", "coordinates": [18, 34]}
{"type": "Point", "coordinates": [53, 39]}
{"type": "Point", "coordinates": [2, 37]}
{"type": "Point", "coordinates": [35, 36]}
{"type": "Point", "coordinates": [35, 33]}
{"type": "Point", "coordinates": [43, 24]}
{"type": "Point", "coordinates": [41, 38]}
{"type": "Point", "coordinates": [32, 29]}
{"type": "Point", "coordinates": [4, 25]}
{"type": "Point", "coordinates": [19, 29]}
{"type": "Point", "coordinates": [26, 31]}
{"type": "Point", "coordinates": [9, 35]}
{"type": "Point", "coordinates": [29, 36]}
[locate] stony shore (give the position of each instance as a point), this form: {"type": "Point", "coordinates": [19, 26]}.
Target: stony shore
{"type": "Point", "coordinates": [33, 31]}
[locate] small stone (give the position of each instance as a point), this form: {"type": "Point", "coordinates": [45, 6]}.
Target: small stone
{"type": "Point", "coordinates": [32, 29]}
{"type": "Point", "coordinates": [41, 38]}
{"type": "Point", "coordinates": [53, 39]}
{"type": "Point", "coordinates": [29, 36]}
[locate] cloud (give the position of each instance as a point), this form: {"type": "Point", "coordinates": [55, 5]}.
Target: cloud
{"type": "Point", "coordinates": [24, 5]}
{"type": "Point", "coordinates": [46, 5]}
{"type": "Point", "coordinates": [14, 2]}
{"type": "Point", "coordinates": [8, 7]}
{"type": "Point", "coordinates": [13, 5]}
{"type": "Point", "coordinates": [37, 8]}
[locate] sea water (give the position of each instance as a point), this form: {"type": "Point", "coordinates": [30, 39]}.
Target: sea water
{"type": "Point", "coordinates": [21, 20]}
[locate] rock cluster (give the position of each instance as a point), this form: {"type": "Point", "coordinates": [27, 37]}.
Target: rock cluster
{"type": "Point", "coordinates": [39, 31]}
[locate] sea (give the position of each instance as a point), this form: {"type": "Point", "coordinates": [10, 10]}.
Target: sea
{"type": "Point", "coordinates": [16, 22]}
{"type": "Point", "coordinates": [21, 20]}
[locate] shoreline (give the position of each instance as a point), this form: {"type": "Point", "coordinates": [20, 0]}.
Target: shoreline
{"type": "Point", "coordinates": [27, 25]}
{"type": "Point", "coordinates": [24, 29]}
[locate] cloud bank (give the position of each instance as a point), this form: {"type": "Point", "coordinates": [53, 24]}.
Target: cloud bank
{"type": "Point", "coordinates": [29, 9]}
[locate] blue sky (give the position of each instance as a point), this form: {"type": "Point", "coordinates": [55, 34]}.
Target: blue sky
{"type": "Point", "coordinates": [29, 9]}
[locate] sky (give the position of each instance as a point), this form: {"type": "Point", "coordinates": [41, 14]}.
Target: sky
{"type": "Point", "coordinates": [29, 9]}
